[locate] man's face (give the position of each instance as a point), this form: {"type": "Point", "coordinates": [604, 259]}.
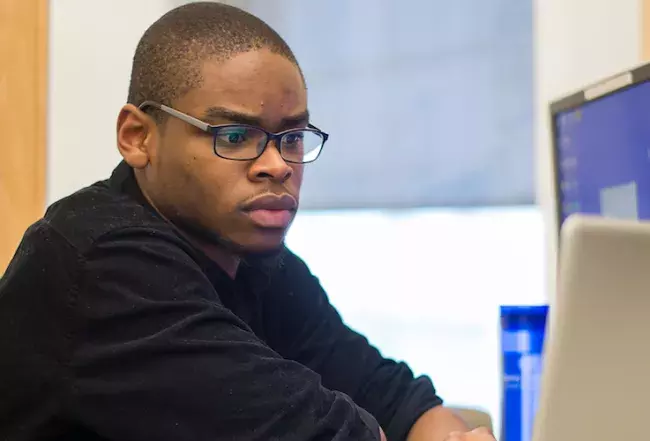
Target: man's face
{"type": "Point", "coordinates": [187, 182]}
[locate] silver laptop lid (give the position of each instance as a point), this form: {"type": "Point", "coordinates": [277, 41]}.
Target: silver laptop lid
{"type": "Point", "coordinates": [596, 375]}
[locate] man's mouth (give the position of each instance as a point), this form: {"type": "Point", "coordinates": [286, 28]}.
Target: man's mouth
{"type": "Point", "coordinates": [269, 218]}
{"type": "Point", "coordinates": [271, 210]}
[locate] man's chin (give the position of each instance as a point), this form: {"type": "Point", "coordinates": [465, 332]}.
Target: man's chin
{"type": "Point", "coordinates": [259, 244]}
{"type": "Point", "coordinates": [264, 245]}
{"type": "Point", "coordinates": [264, 254]}
{"type": "Point", "coordinates": [251, 246]}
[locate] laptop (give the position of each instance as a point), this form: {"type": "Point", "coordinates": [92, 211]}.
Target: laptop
{"type": "Point", "coordinates": [596, 375]}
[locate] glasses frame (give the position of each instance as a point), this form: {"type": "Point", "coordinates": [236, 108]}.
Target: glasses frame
{"type": "Point", "coordinates": [214, 131]}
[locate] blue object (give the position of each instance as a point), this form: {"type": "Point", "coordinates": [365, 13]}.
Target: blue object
{"type": "Point", "coordinates": [522, 341]}
{"type": "Point", "coordinates": [601, 155]}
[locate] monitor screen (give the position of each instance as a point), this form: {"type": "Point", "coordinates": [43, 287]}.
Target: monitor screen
{"type": "Point", "coordinates": [602, 151]}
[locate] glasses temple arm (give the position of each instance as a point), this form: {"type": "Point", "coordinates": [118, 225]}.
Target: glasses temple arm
{"type": "Point", "coordinates": [175, 113]}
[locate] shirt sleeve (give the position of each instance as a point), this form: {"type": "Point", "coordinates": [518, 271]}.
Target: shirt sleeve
{"type": "Point", "coordinates": [156, 356]}
{"type": "Point", "coordinates": [311, 332]}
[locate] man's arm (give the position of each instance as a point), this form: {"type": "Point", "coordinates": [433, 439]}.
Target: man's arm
{"type": "Point", "coordinates": [155, 355]}
{"type": "Point", "coordinates": [402, 404]}
{"type": "Point", "coordinates": [302, 325]}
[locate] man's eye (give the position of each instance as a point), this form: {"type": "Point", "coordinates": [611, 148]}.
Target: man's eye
{"type": "Point", "coordinates": [236, 138]}
{"type": "Point", "coordinates": [294, 138]}
{"type": "Point", "coordinates": [232, 137]}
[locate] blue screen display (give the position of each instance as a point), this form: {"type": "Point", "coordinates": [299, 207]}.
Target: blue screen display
{"type": "Point", "coordinates": [602, 151]}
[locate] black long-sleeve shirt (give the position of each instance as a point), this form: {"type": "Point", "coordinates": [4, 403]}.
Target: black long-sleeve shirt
{"type": "Point", "coordinates": [114, 326]}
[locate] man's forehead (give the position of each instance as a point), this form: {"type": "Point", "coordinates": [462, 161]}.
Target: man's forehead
{"type": "Point", "coordinates": [267, 87]}
{"type": "Point", "coordinates": [252, 70]}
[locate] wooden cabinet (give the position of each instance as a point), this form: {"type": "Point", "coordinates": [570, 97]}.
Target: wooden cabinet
{"type": "Point", "coordinates": [645, 30]}
{"type": "Point", "coordinates": [23, 92]}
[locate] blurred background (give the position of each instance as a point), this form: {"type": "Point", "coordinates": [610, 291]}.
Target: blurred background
{"type": "Point", "coordinates": [432, 203]}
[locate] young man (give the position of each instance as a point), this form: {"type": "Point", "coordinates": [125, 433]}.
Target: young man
{"type": "Point", "coordinates": [161, 304]}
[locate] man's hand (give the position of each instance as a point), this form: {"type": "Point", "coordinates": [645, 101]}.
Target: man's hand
{"type": "Point", "coordinates": [441, 424]}
{"type": "Point", "coordinates": [481, 434]}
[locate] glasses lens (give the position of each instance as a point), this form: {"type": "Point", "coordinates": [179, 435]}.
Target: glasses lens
{"type": "Point", "coordinates": [301, 146]}
{"type": "Point", "coordinates": [239, 142]}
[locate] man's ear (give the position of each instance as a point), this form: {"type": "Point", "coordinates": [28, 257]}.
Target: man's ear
{"type": "Point", "coordinates": [136, 134]}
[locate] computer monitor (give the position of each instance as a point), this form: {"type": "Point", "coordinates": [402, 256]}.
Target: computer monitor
{"type": "Point", "coordinates": [601, 148]}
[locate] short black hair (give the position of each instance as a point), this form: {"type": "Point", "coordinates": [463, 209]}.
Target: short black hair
{"type": "Point", "coordinates": [168, 58]}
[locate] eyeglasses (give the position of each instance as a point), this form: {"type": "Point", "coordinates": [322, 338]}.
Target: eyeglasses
{"type": "Point", "coordinates": [243, 142]}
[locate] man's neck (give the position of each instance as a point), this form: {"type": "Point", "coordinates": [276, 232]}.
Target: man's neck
{"type": "Point", "coordinates": [227, 261]}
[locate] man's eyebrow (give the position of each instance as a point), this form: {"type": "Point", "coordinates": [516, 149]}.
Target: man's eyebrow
{"type": "Point", "coordinates": [213, 114]}
{"type": "Point", "coordinates": [301, 119]}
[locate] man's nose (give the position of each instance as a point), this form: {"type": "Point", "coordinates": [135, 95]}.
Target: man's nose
{"type": "Point", "coordinates": [271, 165]}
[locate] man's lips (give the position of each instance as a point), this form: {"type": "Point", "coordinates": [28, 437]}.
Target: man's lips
{"type": "Point", "coordinates": [271, 218]}
{"type": "Point", "coordinates": [272, 211]}
{"type": "Point", "coordinates": [271, 201]}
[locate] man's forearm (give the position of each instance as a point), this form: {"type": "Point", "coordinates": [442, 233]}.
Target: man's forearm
{"type": "Point", "coordinates": [435, 425]}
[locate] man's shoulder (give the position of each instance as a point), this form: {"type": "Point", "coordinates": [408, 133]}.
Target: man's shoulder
{"type": "Point", "coordinates": [53, 249]}
{"type": "Point", "coordinates": [96, 211]}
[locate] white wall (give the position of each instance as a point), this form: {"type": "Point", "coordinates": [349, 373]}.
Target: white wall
{"type": "Point", "coordinates": [91, 48]}
{"type": "Point", "coordinates": [577, 42]}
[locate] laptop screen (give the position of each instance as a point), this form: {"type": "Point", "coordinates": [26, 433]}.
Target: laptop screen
{"type": "Point", "coordinates": [602, 155]}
